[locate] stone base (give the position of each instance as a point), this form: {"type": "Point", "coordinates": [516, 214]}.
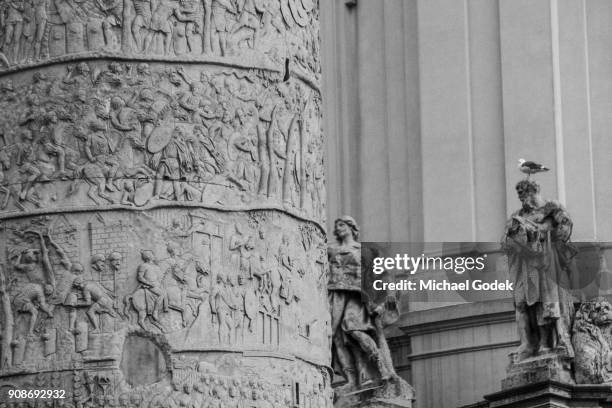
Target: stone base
{"type": "Point", "coordinates": [547, 367]}
{"type": "Point", "coordinates": [550, 394]}
{"type": "Point", "coordinates": [396, 393]}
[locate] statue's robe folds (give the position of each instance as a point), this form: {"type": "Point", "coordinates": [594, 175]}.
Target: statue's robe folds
{"type": "Point", "coordinates": [352, 308]}
{"type": "Point", "coordinates": [541, 262]}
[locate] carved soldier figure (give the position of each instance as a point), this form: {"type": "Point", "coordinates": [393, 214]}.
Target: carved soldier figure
{"type": "Point", "coordinates": [29, 298]}
{"type": "Point", "coordinates": [356, 331]}
{"type": "Point", "coordinates": [112, 78]}
{"type": "Point", "coordinates": [197, 101]}
{"type": "Point", "coordinates": [242, 151]}
{"type": "Point", "coordinates": [78, 77]}
{"type": "Point", "coordinates": [149, 275]}
{"type": "Point", "coordinates": [143, 75]}
{"type": "Point", "coordinates": [40, 21]}
{"type": "Point", "coordinates": [54, 143]}
{"type": "Point", "coordinates": [236, 242]}
{"type": "Point", "coordinates": [251, 262]}
{"type": "Point", "coordinates": [209, 160]}
{"type": "Point", "coordinates": [115, 259]}
{"type": "Point", "coordinates": [172, 163]}
{"type": "Point", "coordinates": [5, 165]}
{"type": "Point", "coordinates": [72, 298]}
{"type": "Point", "coordinates": [28, 263]}
{"type": "Point", "coordinates": [96, 298]}
{"type": "Point", "coordinates": [278, 157]}
{"type": "Point", "coordinates": [26, 42]}
{"type": "Point", "coordinates": [221, 25]}
{"type": "Point", "coordinates": [125, 120]}
{"type": "Point", "coordinates": [222, 306]}
{"type": "Point", "coordinates": [161, 23]}
{"type": "Point", "coordinates": [41, 85]}
{"type": "Point", "coordinates": [113, 10]}
{"type": "Point", "coordinates": [272, 18]}
{"type": "Point", "coordinates": [144, 102]}
{"type": "Point", "coordinates": [13, 25]}
{"type": "Point", "coordinates": [29, 162]}
{"type": "Point", "coordinates": [141, 22]}
{"type": "Point", "coordinates": [540, 259]}
{"type": "Point", "coordinates": [248, 23]}
{"type": "Point", "coordinates": [100, 150]}
{"type": "Point", "coordinates": [247, 303]}
{"type": "Point", "coordinates": [34, 116]}
{"type": "Point", "coordinates": [7, 91]}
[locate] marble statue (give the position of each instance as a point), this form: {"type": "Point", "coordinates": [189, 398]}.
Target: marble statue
{"type": "Point", "coordinates": [360, 351]}
{"type": "Point", "coordinates": [537, 241]}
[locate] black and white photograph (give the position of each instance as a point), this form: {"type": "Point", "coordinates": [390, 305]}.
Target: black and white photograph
{"type": "Point", "coordinates": [305, 204]}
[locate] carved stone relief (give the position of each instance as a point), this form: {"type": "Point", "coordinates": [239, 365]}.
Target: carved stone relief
{"type": "Point", "coordinates": [263, 33]}
{"type": "Point", "coordinates": [115, 135]}
{"type": "Point", "coordinates": [194, 285]}
{"type": "Point", "coordinates": [162, 203]}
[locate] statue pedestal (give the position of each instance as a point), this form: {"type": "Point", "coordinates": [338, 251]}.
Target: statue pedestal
{"type": "Point", "coordinates": [548, 367]}
{"type": "Point", "coordinates": [545, 382]}
{"type": "Point", "coordinates": [550, 394]}
{"type": "Point", "coordinates": [396, 393]}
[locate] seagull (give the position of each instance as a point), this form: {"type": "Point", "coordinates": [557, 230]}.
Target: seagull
{"type": "Point", "coordinates": [529, 167]}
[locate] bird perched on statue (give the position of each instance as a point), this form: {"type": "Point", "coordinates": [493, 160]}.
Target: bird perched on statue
{"type": "Point", "coordinates": [529, 167]}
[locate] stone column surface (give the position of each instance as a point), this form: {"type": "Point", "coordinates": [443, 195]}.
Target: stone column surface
{"type": "Point", "coordinates": [162, 202]}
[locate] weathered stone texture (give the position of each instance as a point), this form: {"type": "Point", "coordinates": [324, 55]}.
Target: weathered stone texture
{"type": "Point", "coordinates": [162, 202]}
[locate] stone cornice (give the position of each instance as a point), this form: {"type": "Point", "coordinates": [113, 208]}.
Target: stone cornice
{"type": "Point", "coordinates": [457, 317]}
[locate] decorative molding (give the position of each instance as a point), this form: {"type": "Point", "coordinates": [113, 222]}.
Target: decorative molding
{"type": "Point", "coordinates": [459, 323]}
{"type": "Point", "coordinates": [461, 350]}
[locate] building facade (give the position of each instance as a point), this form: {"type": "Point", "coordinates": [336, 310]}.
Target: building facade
{"type": "Point", "coordinates": [428, 106]}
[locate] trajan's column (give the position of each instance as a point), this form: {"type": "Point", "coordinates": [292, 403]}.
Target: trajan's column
{"type": "Point", "coordinates": [161, 204]}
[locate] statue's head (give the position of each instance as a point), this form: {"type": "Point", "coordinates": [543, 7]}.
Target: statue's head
{"type": "Point", "coordinates": [77, 268]}
{"type": "Point", "coordinates": [98, 262]}
{"type": "Point", "coordinates": [143, 69]}
{"type": "Point", "coordinates": [597, 311]}
{"type": "Point", "coordinates": [39, 77]}
{"type": "Point", "coordinates": [174, 78]}
{"type": "Point", "coordinates": [117, 103]}
{"type": "Point", "coordinates": [197, 87]}
{"type": "Point", "coordinates": [115, 259]}
{"type": "Point", "coordinates": [528, 191]}
{"type": "Point", "coordinates": [77, 282]}
{"type": "Point", "coordinates": [83, 68]}
{"type": "Point", "coordinates": [146, 95]}
{"type": "Point", "coordinates": [187, 388]}
{"type": "Point", "coordinates": [147, 255]}
{"type": "Point", "coordinates": [115, 68]}
{"type": "Point", "coordinates": [344, 226]}
{"type": "Point", "coordinates": [173, 248]}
